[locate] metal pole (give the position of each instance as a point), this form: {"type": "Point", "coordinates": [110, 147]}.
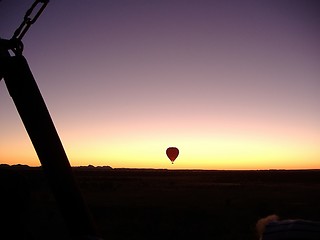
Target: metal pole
{"type": "Point", "coordinates": [39, 125]}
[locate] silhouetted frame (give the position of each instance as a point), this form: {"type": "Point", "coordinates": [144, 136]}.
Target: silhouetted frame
{"type": "Point", "coordinates": [45, 139]}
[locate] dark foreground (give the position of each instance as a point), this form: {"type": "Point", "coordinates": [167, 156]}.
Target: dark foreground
{"type": "Point", "coordinates": [167, 204]}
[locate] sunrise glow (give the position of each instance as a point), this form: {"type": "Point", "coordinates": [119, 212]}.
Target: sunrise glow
{"type": "Point", "coordinates": [232, 86]}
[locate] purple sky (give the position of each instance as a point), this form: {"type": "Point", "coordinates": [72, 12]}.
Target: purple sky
{"type": "Point", "coordinates": [125, 69]}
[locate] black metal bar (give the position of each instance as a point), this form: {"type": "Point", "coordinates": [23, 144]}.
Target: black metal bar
{"type": "Point", "coordinates": [39, 125]}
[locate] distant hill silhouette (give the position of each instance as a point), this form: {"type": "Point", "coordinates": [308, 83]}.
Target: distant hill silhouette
{"type": "Point", "coordinates": [93, 168]}
{"type": "Point", "coordinates": [26, 167]}
{"type": "Point", "coordinates": [16, 166]}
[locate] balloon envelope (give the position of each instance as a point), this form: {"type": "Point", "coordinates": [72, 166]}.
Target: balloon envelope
{"type": "Point", "coordinates": [172, 153]}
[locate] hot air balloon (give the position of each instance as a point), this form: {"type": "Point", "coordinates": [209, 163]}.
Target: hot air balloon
{"type": "Point", "coordinates": [172, 153]}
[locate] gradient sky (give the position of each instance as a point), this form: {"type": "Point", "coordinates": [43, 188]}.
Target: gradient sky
{"type": "Point", "coordinates": [232, 84]}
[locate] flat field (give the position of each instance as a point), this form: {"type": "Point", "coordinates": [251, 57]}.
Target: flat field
{"type": "Point", "coordinates": [176, 204]}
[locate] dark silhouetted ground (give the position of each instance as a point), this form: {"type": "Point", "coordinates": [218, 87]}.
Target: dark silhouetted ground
{"type": "Point", "coordinates": [175, 204]}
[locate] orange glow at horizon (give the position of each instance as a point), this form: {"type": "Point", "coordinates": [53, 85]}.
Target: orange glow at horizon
{"type": "Point", "coordinates": [196, 152]}
{"type": "Point", "coordinates": [244, 143]}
